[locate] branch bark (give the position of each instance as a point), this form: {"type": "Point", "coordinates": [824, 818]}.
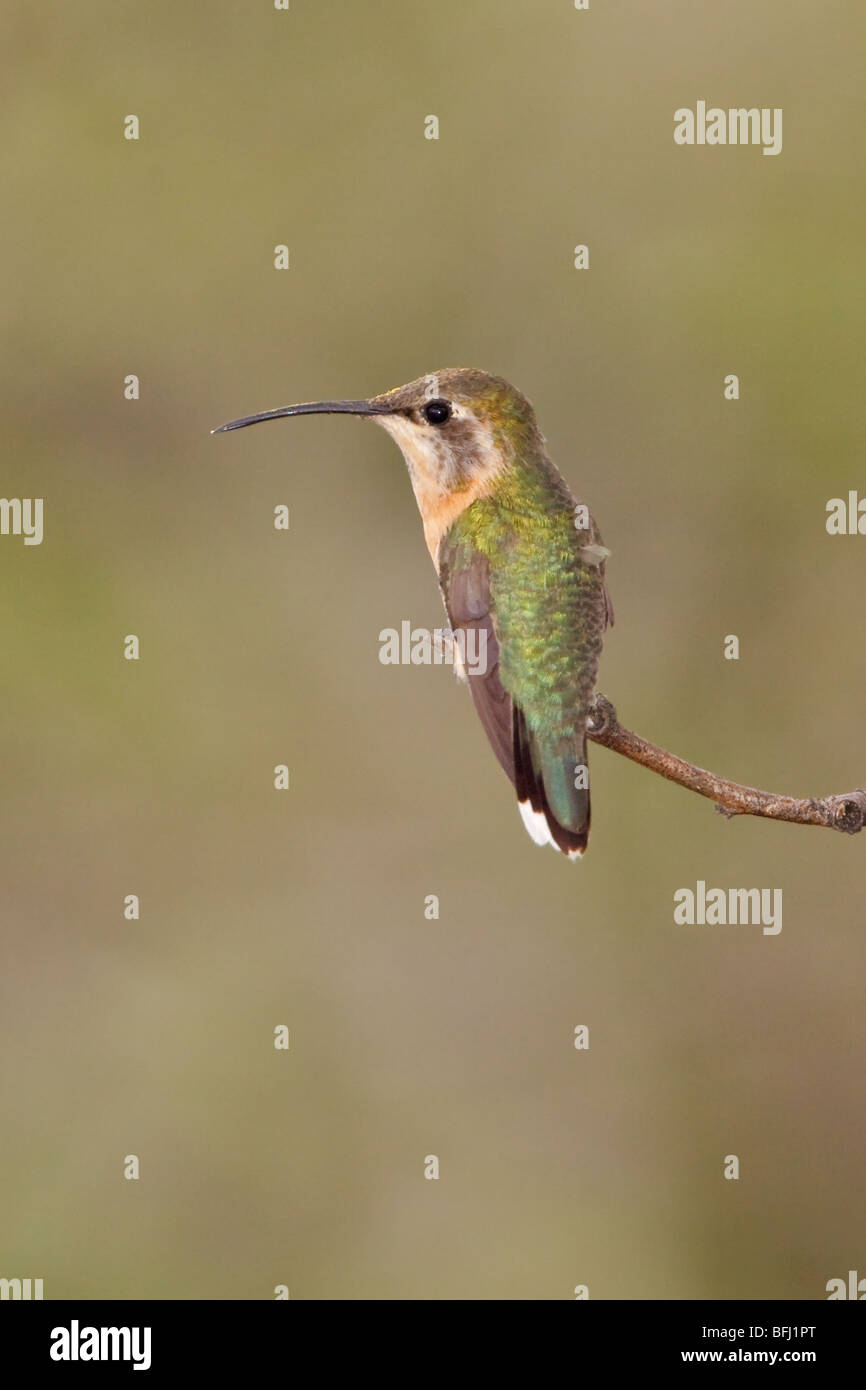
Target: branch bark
{"type": "Point", "coordinates": [846, 812]}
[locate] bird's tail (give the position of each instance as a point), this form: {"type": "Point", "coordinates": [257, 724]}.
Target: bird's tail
{"type": "Point", "coordinates": [552, 781]}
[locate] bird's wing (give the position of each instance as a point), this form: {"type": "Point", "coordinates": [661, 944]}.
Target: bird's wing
{"type": "Point", "coordinates": [465, 580]}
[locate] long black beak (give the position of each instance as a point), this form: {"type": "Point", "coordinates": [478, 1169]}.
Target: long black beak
{"type": "Point", "coordinates": [308, 408]}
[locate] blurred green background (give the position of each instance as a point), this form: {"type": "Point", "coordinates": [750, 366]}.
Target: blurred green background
{"type": "Point", "coordinates": [410, 1036]}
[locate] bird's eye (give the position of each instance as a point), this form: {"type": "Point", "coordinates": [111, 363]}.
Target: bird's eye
{"type": "Point", "coordinates": [437, 412]}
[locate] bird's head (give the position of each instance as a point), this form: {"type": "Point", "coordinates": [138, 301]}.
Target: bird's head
{"type": "Point", "coordinates": [456, 428]}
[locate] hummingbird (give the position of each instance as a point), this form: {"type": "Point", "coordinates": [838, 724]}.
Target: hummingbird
{"type": "Point", "coordinates": [520, 564]}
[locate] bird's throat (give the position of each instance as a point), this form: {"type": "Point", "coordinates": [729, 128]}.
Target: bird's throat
{"type": "Point", "coordinates": [444, 485]}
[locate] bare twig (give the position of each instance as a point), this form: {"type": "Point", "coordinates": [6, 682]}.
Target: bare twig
{"type": "Point", "coordinates": [846, 812]}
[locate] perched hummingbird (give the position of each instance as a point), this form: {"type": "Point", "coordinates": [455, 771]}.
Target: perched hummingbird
{"type": "Point", "coordinates": [519, 561]}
